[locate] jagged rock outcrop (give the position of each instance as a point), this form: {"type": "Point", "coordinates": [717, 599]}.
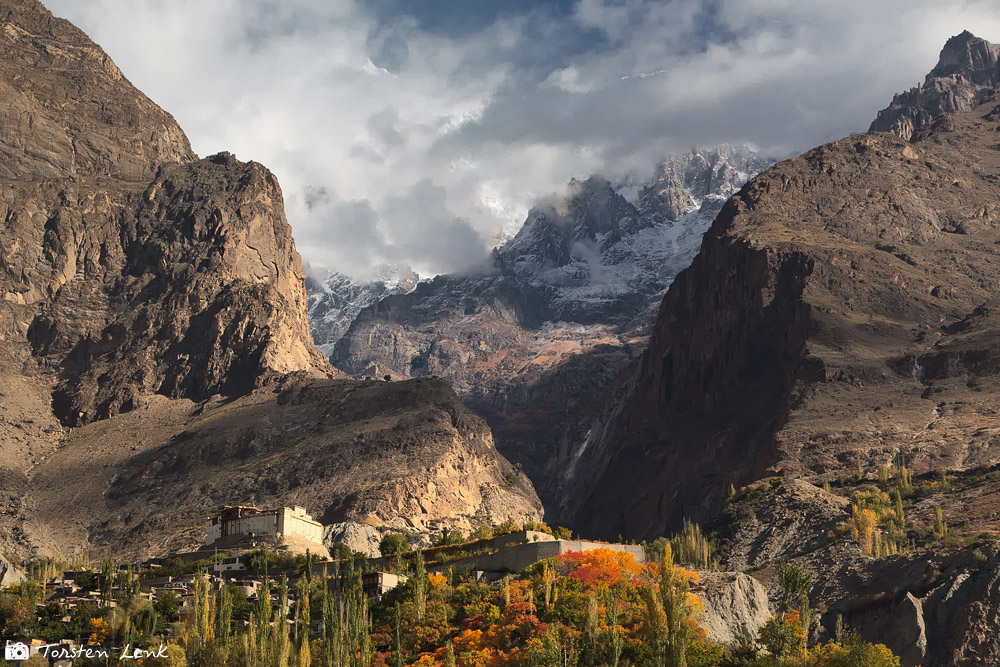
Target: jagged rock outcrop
{"type": "Point", "coordinates": [736, 606]}
{"type": "Point", "coordinates": [145, 291]}
{"type": "Point", "coordinates": [931, 606]}
{"type": "Point", "coordinates": [534, 341]}
{"type": "Point", "coordinates": [683, 181]}
{"type": "Point", "coordinates": [335, 300]}
{"type": "Point", "coordinates": [9, 575]}
{"type": "Point", "coordinates": [942, 609]}
{"type": "Point", "coordinates": [796, 340]}
{"type": "Point", "coordinates": [359, 537]}
{"type": "Point", "coordinates": [964, 77]}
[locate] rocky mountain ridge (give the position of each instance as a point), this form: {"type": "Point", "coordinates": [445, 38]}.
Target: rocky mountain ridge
{"type": "Point", "coordinates": [141, 287]}
{"type": "Point", "coordinates": [837, 320]}
{"type": "Point", "coordinates": [964, 77]}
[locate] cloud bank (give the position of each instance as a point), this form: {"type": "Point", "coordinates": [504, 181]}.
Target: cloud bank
{"type": "Point", "coordinates": [397, 140]}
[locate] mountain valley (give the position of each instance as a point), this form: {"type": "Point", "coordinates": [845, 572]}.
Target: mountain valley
{"type": "Point", "coordinates": [764, 370]}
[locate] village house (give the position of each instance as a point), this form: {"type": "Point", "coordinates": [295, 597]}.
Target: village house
{"type": "Point", "coordinates": [375, 584]}
{"type": "Point", "coordinates": [225, 565]}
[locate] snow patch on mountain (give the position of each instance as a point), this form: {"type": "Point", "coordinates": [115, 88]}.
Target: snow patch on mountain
{"type": "Point", "coordinates": [601, 252]}
{"type": "Point", "coordinates": [335, 299]}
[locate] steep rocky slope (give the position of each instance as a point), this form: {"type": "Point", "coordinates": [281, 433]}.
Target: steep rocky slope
{"type": "Point", "coordinates": [533, 341]}
{"type": "Point", "coordinates": [840, 307]}
{"type": "Point", "coordinates": [834, 310]}
{"type": "Point", "coordinates": [136, 279]}
{"type": "Point", "coordinates": [406, 455]}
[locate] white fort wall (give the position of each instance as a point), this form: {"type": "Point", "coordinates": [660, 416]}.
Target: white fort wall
{"type": "Point", "coordinates": [280, 522]}
{"type": "Point", "coordinates": [295, 521]}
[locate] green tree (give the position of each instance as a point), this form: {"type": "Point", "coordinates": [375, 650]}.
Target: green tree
{"type": "Point", "coordinates": [146, 622]}
{"type": "Point", "coordinates": [201, 624]}
{"type": "Point", "coordinates": [393, 544]}
{"type": "Point", "coordinates": [84, 579]}
{"type": "Point", "coordinates": [780, 637]}
{"type": "Point", "coordinates": [302, 616]}
{"type": "Point", "coordinates": [795, 583]}
{"type": "Point", "coordinates": [668, 604]}
{"type": "Point", "coordinates": [615, 640]}
{"type": "Point", "coordinates": [398, 641]}
{"type": "Point", "coordinates": [940, 526]}
{"type": "Point", "coordinates": [282, 646]}
{"type": "Point", "coordinates": [420, 585]}
{"type": "Point", "coordinates": [128, 587]}
{"type": "Point", "coordinates": [224, 618]}
{"type": "Point", "coordinates": [107, 581]}
{"type": "Point", "coordinates": [168, 605]}
{"type": "Point", "coordinates": [691, 546]}
{"type": "Point", "coordinates": [175, 657]}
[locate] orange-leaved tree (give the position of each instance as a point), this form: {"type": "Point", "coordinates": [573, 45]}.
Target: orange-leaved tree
{"type": "Point", "coordinates": [599, 567]}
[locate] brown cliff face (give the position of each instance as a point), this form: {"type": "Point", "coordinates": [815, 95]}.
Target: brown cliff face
{"type": "Point", "coordinates": [68, 111]}
{"type": "Point", "coordinates": [834, 311]}
{"type": "Point", "coordinates": [188, 287]}
{"type": "Point", "coordinates": [140, 285]}
{"type": "Point", "coordinates": [130, 267]}
{"type": "Point", "coordinates": [966, 71]}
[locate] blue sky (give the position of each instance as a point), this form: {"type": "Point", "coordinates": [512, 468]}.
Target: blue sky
{"type": "Point", "coordinates": [419, 132]}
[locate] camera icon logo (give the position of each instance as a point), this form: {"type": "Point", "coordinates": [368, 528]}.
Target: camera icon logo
{"type": "Point", "coordinates": [15, 651]}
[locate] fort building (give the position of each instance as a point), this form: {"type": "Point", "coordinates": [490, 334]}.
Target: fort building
{"type": "Point", "coordinates": [286, 528]}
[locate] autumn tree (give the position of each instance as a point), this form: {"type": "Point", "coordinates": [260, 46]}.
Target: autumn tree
{"type": "Point", "coordinates": [862, 525]}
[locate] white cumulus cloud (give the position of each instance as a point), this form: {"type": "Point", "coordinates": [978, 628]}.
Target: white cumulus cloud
{"type": "Point", "coordinates": [395, 143]}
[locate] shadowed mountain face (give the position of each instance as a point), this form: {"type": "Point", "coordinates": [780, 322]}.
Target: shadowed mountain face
{"type": "Point", "coordinates": [136, 279]}
{"type": "Point", "coordinates": [534, 341]}
{"type": "Point", "coordinates": [841, 306]}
